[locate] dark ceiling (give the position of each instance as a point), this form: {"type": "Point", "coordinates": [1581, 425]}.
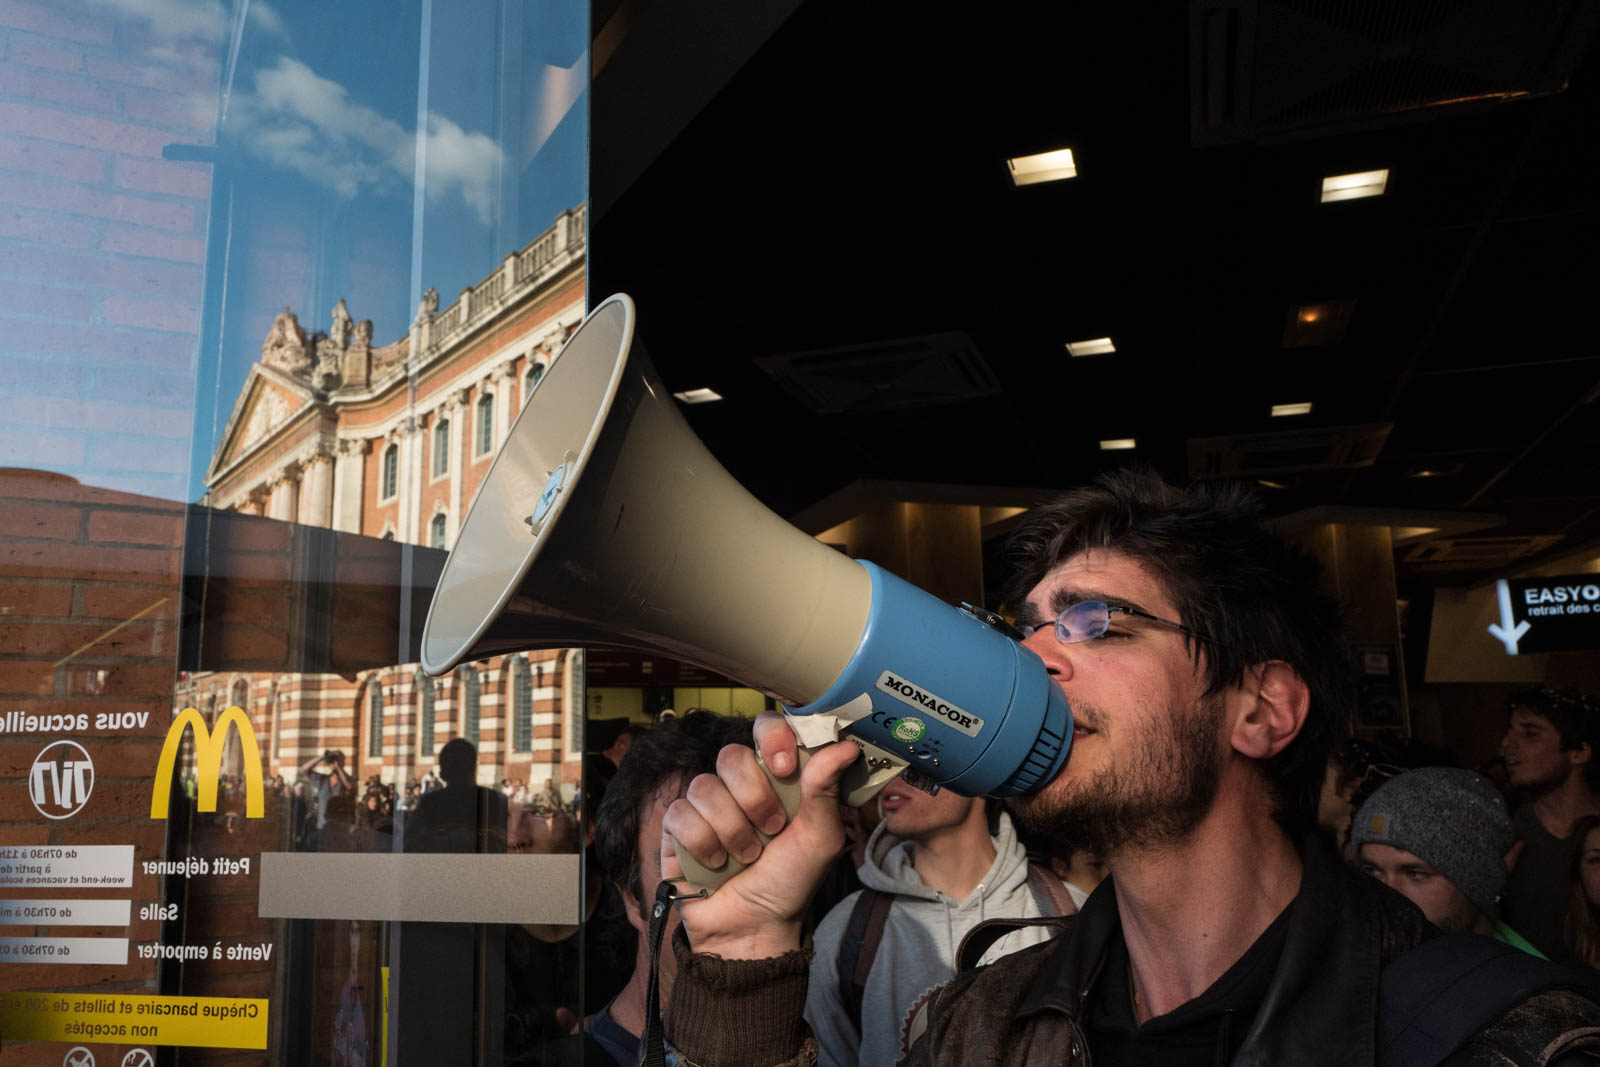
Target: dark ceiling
{"type": "Point", "coordinates": [847, 189]}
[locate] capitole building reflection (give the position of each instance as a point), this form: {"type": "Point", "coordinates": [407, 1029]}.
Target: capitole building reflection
{"type": "Point", "coordinates": [392, 441]}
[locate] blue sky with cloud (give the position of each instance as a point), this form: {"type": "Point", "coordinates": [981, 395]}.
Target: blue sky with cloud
{"type": "Point", "coordinates": [318, 160]}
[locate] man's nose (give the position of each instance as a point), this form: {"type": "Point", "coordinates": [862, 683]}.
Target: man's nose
{"type": "Point", "coordinates": [1057, 660]}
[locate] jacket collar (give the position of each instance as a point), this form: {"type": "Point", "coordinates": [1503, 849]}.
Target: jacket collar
{"type": "Point", "coordinates": [1322, 1005]}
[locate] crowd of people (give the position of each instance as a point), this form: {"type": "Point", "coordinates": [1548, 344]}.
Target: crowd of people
{"type": "Point", "coordinates": [1217, 874]}
{"type": "Point", "coordinates": [1268, 894]}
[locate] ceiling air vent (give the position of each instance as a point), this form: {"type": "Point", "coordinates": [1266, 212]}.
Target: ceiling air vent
{"type": "Point", "coordinates": [1322, 449]}
{"type": "Point", "coordinates": [943, 368]}
{"type": "Point", "coordinates": [1275, 68]}
{"type": "Point", "coordinates": [1474, 553]}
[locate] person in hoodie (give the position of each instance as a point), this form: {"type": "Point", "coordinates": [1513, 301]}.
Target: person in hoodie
{"type": "Point", "coordinates": [946, 863]}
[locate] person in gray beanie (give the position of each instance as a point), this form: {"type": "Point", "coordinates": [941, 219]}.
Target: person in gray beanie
{"type": "Point", "coordinates": [1439, 836]}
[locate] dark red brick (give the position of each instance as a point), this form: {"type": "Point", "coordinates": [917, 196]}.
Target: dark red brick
{"type": "Point", "coordinates": [136, 528]}
{"type": "Point", "coordinates": [21, 677]}
{"type": "Point", "coordinates": [55, 521]}
{"type": "Point", "coordinates": [121, 602]}
{"type": "Point", "coordinates": [49, 559]}
{"type": "Point", "coordinates": [36, 600]}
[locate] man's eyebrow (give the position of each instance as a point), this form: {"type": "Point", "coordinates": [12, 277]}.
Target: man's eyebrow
{"type": "Point", "coordinates": [1062, 599]}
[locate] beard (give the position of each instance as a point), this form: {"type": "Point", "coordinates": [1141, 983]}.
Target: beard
{"type": "Point", "coordinates": [1156, 796]}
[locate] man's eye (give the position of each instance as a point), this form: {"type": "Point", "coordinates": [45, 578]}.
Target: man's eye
{"type": "Point", "coordinates": [1418, 876]}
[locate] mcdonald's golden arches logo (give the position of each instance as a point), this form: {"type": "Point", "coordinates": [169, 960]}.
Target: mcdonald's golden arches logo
{"type": "Point", "coordinates": [208, 761]}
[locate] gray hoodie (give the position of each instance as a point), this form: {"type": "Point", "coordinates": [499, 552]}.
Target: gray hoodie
{"type": "Point", "coordinates": [918, 950]}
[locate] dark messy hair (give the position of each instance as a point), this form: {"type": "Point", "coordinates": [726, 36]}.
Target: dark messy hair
{"type": "Point", "coordinates": [668, 756]}
{"type": "Point", "coordinates": [1575, 716]}
{"type": "Point", "coordinates": [1255, 597]}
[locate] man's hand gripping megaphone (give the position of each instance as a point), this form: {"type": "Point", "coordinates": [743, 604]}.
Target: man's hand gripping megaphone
{"type": "Point", "coordinates": [758, 912]}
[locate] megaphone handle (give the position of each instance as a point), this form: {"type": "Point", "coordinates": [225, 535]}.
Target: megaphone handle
{"type": "Point", "coordinates": [706, 880]}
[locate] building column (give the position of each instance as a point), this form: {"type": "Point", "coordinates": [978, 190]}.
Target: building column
{"type": "Point", "coordinates": [459, 423]}
{"type": "Point", "coordinates": [349, 481]}
{"type": "Point", "coordinates": [286, 493]}
{"type": "Point", "coordinates": [316, 493]}
{"type": "Point", "coordinates": [502, 404]}
{"type": "Point", "coordinates": [400, 436]}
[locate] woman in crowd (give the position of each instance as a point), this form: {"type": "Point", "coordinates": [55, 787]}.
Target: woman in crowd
{"type": "Point", "coordinates": [1583, 872]}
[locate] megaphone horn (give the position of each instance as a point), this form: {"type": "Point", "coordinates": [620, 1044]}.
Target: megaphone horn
{"type": "Point", "coordinates": [604, 522]}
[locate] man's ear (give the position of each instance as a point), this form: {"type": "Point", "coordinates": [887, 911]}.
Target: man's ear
{"type": "Point", "coordinates": [630, 908]}
{"type": "Point", "coordinates": [1580, 755]}
{"type": "Point", "coordinates": [1277, 701]}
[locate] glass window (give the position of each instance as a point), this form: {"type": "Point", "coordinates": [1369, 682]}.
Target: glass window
{"type": "Point", "coordinates": [391, 473]}
{"type": "Point", "coordinates": [375, 720]}
{"type": "Point", "coordinates": [426, 695]}
{"type": "Point", "coordinates": [436, 531]}
{"type": "Point", "coordinates": [471, 693]}
{"type": "Point", "coordinates": [224, 232]}
{"type": "Point", "coordinates": [531, 379]}
{"type": "Point", "coordinates": [441, 447]}
{"type": "Point", "coordinates": [522, 706]}
{"type": "Point", "coordinates": [485, 442]}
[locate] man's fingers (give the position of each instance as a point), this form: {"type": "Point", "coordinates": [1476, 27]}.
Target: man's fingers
{"type": "Point", "coordinates": [717, 806]}
{"type": "Point", "coordinates": [690, 829]}
{"type": "Point", "coordinates": [750, 788]}
{"type": "Point", "coordinates": [775, 741]}
{"type": "Point", "coordinates": [820, 778]}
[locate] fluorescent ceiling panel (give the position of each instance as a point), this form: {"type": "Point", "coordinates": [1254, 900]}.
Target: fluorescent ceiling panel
{"type": "Point", "coordinates": [1043, 167]}
{"type": "Point", "coordinates": [698, 396]}
{"type": "Point", "coordinates": [1354, 186]}
{"type": "Point", "coordinates": [1117, 444]}
{"type": "Point", "coordinates": [1098, 346]}
{"type": "Point", "coordinates": [1291, 409]}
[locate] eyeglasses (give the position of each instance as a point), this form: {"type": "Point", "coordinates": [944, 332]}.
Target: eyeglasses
{"type": "Point", "coordinates": [1089, 619]}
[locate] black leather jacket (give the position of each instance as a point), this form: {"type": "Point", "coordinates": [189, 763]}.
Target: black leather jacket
{"type": "Point", "coordinates": [1321, 1008]}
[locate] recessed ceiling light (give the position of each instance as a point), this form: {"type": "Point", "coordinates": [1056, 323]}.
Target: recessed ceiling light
{"type": "Point", "coordinates": [1043, 167]}
{"type": "Point", "coordinates": [1117, 444]}
{"type": "Point", "coordinates": [1292, 409]}
{"type": "Point", "coordinates": [1317, 325]}
{"type": "Point", "coordinates": [1099, 346]}
{"type": "Point", "coordinates": [1354, 186]}
{"type": "Point", "coordinates": [698, 396]}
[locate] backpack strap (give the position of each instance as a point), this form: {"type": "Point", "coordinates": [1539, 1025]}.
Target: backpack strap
{"type": "Point", "coordinates": [1049, 893]}
{"type": "Point", "coordinates": [859, 946]}
{"type": "Point", "coordinates": [1433, 998]}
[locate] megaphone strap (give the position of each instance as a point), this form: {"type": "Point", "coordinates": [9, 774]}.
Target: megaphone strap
{"type": "Point", "coordinates": [652, 1043]}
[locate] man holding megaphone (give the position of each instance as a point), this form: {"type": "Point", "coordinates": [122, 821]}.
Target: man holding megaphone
{"type": "Point", "coordinates": [1205, 675]}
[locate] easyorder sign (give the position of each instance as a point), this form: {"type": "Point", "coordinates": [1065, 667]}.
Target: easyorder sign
{"type": "Point", "coordinates": [1560, 613]}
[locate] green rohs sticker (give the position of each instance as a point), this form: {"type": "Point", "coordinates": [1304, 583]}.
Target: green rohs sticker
{"type": "Point", "coordinates": [909, 729]}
